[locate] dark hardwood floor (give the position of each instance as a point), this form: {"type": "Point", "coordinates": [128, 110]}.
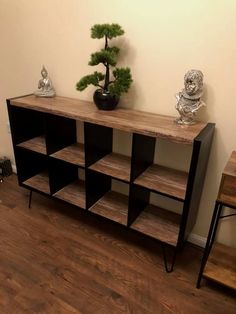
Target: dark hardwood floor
{"type": "Point", "coordinates": [55, 258]}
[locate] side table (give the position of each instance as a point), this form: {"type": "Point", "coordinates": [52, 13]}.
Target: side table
{"type": "Point", "coordinates": [219, 261]}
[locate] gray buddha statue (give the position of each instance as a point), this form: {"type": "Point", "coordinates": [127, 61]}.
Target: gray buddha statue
{"type": "Point", "coordinates": [45, 87]}
{"type": "Point", "coordinates": [189, 99]}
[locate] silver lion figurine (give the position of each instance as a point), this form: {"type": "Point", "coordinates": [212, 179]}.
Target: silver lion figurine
{"type": "Point", "coordinates": [189, 99]}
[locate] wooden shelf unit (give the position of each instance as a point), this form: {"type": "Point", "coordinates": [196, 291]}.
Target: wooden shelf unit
{"type": "Point", "coordinates": [30, 117]}
{"type": "Point", "coordinates": [219, 261]}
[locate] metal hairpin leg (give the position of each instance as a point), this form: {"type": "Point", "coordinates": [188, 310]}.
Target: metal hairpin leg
{"type": "Point", "coordinates": [210, 239]}
{"type": "Point", "coordinates": [169, 270]}
{"type": "Point", "coordinates": [30, 198]}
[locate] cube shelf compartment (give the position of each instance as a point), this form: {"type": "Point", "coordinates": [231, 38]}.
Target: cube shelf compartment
{"type": "Point", "coordinates": [73, 154]}
{"type": "Point", "coordinates": [158, 223]}
{"type": "Point", "coordinates": [39, 182]}
{"type": "Point", "coordinates": [220, 266]}
{"type": "Point", "coordinates": [164, 180]}
{"type": "Point", "coordinates": [36, 144]}
{"type": "Point", "coordinates": [50, 143]}
{"type": "Point", "coordinates": [73, 193]}
{"type": "Point", "coordinates": [115, 165]}
{"type": "Point", "coordinates": [112, 205]}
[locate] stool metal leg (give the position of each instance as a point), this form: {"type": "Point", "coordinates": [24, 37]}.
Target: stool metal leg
{"type": "Point", "coordinates": [210, 239]}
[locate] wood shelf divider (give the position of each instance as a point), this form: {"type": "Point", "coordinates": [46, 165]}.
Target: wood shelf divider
{"type": "Point", "coordinates": [39, 182]}
{"type": "Point", "coordinates": [158, 223]}
{"type": "Point", "coordinates": [73, 193]}
{"type": "Point", "coordinates": [114, 165]}
{"type": "Point", "coordinates": [73, 154]}
{"type": "Point", "coordinates": [36, 144]}
{"type": "Point", "coordinates": [112, 205]}
{"type": "Point", "coordinates": [164, 180]}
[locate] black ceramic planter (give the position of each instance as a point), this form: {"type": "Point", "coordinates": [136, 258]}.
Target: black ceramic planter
{"type": "Point", "coordinates": [104, 100]}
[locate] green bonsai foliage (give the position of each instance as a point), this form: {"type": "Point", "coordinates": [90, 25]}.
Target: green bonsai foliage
{"type": "Point", "coordinates": [121, 78]}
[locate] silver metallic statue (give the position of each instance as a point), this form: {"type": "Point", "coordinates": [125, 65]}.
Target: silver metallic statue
{"type": "Point", "coordinates": [189, 99]}
{"type": "Point", "coordinates": [45, 87]}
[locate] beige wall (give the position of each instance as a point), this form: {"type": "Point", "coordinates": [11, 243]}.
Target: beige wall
{"type": "Point", "coordinates": [163, 40]}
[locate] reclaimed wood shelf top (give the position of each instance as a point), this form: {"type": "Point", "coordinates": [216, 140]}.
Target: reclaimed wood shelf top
{"type": "Point", "coordinates": [221, 265]}
{"type": "Point", "coordinates": [164, 180]}
{"type": "Point", "coordinates": [158, 223]}
{"type": "Point", "coordinates": [39, 182]}
{"type": "Point", "coordinates": [73, 154]}
{"type": "Point", "coordinates": [36, 144]}
{"type": "Point", "coordinates": [73, 193]}
{"type": "Point", "coordinates": [134, 121]}
{"type": "Point", "coordinates": [112, 205]}
{"type": "Point", "coordinates": [114, 165]}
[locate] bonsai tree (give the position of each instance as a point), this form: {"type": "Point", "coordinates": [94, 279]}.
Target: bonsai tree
{"type": "Point", "coordinates": [111, 86]}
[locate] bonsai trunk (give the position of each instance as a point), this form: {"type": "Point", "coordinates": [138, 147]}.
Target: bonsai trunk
{"type": "Point", "coordinates": [107, 76]}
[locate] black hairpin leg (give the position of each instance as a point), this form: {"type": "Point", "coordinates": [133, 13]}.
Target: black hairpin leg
{"type": "Point", "coordinates": [168, 270]}
{"type": "Point", "coordinates": [30, 198]}
{"type": "Point", "coordinates": [210, 239]}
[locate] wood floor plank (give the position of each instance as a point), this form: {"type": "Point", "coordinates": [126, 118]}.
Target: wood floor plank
{"type": "Point", "coordinates": [54, 259]}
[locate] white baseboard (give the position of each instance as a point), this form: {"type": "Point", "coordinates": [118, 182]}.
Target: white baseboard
{"type": "Point", "coordinates": [14, 168]}
{"type": "Point", "coordinates": [197, 240]}
{"type": "Point", "coordinates": [193, 238]}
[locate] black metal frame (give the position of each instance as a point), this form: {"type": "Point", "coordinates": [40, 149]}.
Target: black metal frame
{"type": "Point", "coordinates": [60, 132]}
{"type": "Point", "coordinates": [216, 216]}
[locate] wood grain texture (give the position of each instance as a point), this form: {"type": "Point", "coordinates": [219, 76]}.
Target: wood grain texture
{"type": "Point", "coordinates": [73, 193]}
{"type": "Point", "coordinates": [164, 180]}
{"type": "Point", "coordinates": [73, 154]}
{"type": "Point", "coordinates": [114, 165]}
{"type": "Point", "coordinates": [221, 265]}
{"type": "Point", "coordinates": [158, 223]}
{"type": "Point", "coordinates": [227, 190]}
{"type": "Point", "coordinates": [113, 206]}
{"type": "Point", "coordinates": [123, 119]}
{"type": "Point", "coordinates": [230, 168]}
{"type": "Point", "coordinates": [36, 144]}
{"type": "Point", "coordinates": [39, 182]}
{"type": "Point", "coordinates": [54, 259]}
